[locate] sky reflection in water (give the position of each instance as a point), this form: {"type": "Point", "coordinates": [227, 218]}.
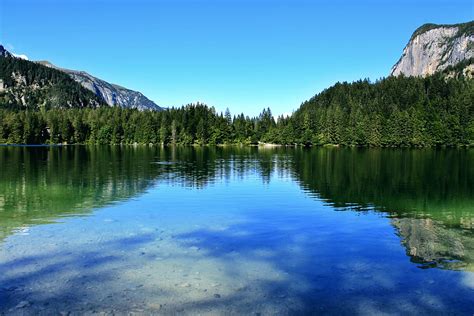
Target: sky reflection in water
{"type": "Point", "coordinates": [236, 230]}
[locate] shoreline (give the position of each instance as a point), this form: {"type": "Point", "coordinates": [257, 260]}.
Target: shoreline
{"type": "Point", "coordinates": [260, 145]}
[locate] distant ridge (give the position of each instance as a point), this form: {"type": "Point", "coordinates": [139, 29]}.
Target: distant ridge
{"type": "Point", "coordinates": [112, 94]}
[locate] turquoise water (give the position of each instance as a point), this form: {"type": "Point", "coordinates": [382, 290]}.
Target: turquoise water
{"type": "Point", "coordinates": [236, 231]}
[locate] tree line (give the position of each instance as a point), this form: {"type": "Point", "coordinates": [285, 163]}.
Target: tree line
{"type": "Point", "coordinates": [191, 124]}
{"type": "Point", "coordinates": [395, 111]}
{"type": "Point", "coordinates": [391, 112]}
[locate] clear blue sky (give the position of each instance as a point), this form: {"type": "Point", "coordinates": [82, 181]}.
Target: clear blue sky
{"type": "Point", "coordinates": [244, 55]}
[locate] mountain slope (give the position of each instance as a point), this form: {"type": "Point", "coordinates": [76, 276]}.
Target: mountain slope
{"type": "Point", "coordinates": [431, 105]}
{"type": "Point", "coordinates": [433, 48]}
{"type": "Point", "coordinates": [112, 94]}
{"type": "Point", "coordinates": [32, 86]}
{"type": "Point", "coordinates": [4, 52]}
{"type": "Point", "coordinates": [27, 87]}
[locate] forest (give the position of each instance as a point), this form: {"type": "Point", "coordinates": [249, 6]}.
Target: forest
{"type": "Point", "coordinates": [392, 112]}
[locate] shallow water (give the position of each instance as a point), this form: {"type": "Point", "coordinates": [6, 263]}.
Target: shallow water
{"type": "Point", "coordinates": [236, 231]}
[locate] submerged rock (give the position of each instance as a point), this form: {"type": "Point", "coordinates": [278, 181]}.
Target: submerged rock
{"type": "Point", "coordinates": [23, 304]}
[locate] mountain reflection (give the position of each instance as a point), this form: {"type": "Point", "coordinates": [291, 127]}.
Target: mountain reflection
{"type": "Point", "coordinates": [432, 244]}
{"type": "Point", "coordinates": [427, 194]}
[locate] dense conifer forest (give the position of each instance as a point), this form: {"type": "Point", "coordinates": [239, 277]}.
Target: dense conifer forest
{"type": "Point", "coordinates": [45, 106]}
{"type": "Point", "coordinates": [32, 86]}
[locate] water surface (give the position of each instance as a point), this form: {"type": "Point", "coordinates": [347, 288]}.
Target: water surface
{"type": "Point", "coordinates": [236, 231]}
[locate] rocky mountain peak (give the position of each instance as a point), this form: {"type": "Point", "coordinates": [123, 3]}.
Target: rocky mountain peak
{"type": "Point", "coordinates": [4, 52]}
{"type": "Point", "coordinates": [434, 48]}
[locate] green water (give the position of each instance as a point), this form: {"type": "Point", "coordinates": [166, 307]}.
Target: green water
{"type": "Point", "coordinates": [232, 230]}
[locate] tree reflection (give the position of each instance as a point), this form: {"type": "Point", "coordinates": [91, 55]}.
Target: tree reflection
{"type": "Point", "coordinates": [428, 194]}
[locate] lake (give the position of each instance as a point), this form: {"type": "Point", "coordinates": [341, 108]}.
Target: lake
{"type": "Point", "coordinates": [236, 230]}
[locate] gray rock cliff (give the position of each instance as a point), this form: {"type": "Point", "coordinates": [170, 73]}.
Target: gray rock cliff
{"type": "Point", "coordinates": [434, 48]}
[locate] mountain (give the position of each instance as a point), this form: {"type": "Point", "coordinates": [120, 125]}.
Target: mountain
{"type": "Point", "coordinates": [29, 85]}
{"type": "Point", "coordinates": [4, 52]}
{"type": "Point", "coordinates": [433, 48]}
{"type": "Point", "coordinates": [28, 81]}
{"type": "Point", "coordinates": [112, 94]}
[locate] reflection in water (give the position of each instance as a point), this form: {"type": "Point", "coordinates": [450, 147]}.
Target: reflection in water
{"type": "Point", "coordinates": [436, 183]}
{"type": "Point", "coordinates": [41, 184]}
{"type": "Point", "coordinates": [432, 244]}
{"type": "Point", "coordinates": [226, 230]}
{"type": "Point", "coordinates": [428, 193]}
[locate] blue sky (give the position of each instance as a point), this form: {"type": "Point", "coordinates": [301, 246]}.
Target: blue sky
{"type": "Point", "coordinates": [244, 55]}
